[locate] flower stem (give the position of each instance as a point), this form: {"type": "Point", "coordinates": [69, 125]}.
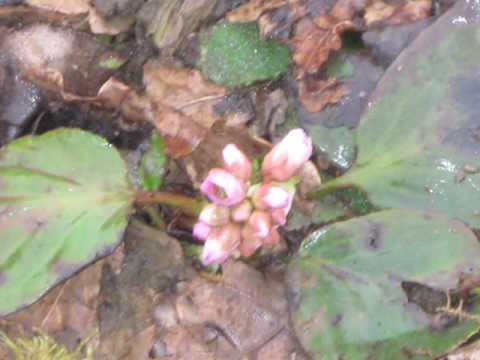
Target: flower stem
{"type": "Point", "coordinates": [188, 205]}
{"type": "Point", "coordinates": [328, 188]}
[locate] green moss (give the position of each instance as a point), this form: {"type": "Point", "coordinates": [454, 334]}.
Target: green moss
{"type": "Point", "coordinates": [43, 347]}
{"type": "Point", "coordinates": [235, 55]}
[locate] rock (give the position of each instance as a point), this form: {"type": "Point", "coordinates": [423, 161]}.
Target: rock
{"type": "Point", "coordinates": [387, 43]}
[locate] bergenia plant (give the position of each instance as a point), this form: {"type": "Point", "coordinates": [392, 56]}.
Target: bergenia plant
{"type": "Point", "coordinates": [243, 216]}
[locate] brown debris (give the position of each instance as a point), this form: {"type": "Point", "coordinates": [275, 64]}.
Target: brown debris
{"type": "Point", "coordinates": [380, 13]}
{"type": "Point", "coordinates": [253, 9]}
{"type": "Point", "coordinates": [315, 95]}
{"type": "Point", "coordinates": [314, 41]}
{"type": "Point", "coordinates": [183, 104]}
{"type": "Point", "coordinates": [246, 308]}
{"type": "Point", "coordinates": [98, 24]}
{"type": "Point", "coordinates": [171, 21]}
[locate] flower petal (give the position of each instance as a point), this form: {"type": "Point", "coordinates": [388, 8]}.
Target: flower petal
{"type": "Point", "coordinates": [260, 223]}
{"type": "Point", "coordinates": [201, 230]}
{"type": "Point", "coordinates": [222, 188]}
{"type": "Point", "coordinates": [288, 156]}
{"type": "Point", "coordinates": [215, 215]}
{"type": "Point", "coordinates": [242, 211]}
{"type": "Point", "coordinates": [220, 244]}
{"type": "Point", "coordinates": [270, 196]}
{"type": "Point", "coordinates": [272, 239]}
{"type": "Point", "coordinates": [250, 243]}
{"type": "Point", "coordinates": [236, 162]}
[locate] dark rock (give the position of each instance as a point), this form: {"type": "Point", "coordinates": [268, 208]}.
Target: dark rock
{"type": "Point", "coordinates": [387, 43]}
{"type": "Point", "coordinates": [10, 2]}
{"type": "Point", "coordinates": [360, 82]}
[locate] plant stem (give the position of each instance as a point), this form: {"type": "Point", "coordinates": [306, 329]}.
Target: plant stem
{"type": "Point", "coordinates": [328, 188]}
{"type": "Point", "coordinates": [188, 205]}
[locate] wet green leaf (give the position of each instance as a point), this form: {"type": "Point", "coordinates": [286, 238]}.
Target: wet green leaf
{"type": "Point", "coordinates": [336, 144]}
{"type": "Point", "coordinates": [418, 144]}
{"type": "Point", "coordinates": [152, 165]}
{"type": "Point", "coordinates": [346, 286]}
{"type": "Point", "coordinates": [64, 202]}
{"type": "Point", "coordinates": [235, 55]}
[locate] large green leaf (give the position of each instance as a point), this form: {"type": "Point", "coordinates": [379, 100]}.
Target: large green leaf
{"type": "Point", "coordinates": [64, 202]}
{"type": "Point", "coordinates": [346, 285]}
{"type": "Point", "coordinates": [418, 144]}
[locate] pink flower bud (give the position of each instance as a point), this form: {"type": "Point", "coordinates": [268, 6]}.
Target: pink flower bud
{"type": "Point", "coordinates": [242, 211]}
{"type": "Point", "coordinates": [236, 162]}
{"type": "Point", "coordinates": [222, 188]}
{"type": "Point", "coordinates": [288, 156]}
{"type": "Point", "coordinates": [260, 223]}
{"type": "Point", "coordinates": [215, 215]}
{"type": "Point", "coordinates": [270, 196]}
{"type": "Point", "coordinates": [250, 242]}
{"type": "Point", "coordinates": [220, 244]}
{"type": "Point", "coordinates": [272, 239]}
{"type": "Point", "coordinates": [201, 231]}
{"type": "Point", "coordinates": [280, 215]}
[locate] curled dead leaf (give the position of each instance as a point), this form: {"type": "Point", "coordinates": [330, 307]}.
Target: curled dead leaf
{"type": "Point", "coordinates": [253, 9]}
{"type": "Point", "coordinates": [315, 95]}
{"type": "Point", "coordinates": [314, 41]}
{"type": "Point", "coordinates": [98, 24]}
{"type": "Point", "coordinates": [381, 13]}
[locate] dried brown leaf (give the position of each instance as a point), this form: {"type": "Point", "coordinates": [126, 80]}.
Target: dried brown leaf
{"type": "Point", "coordinates": [171, 21]}
{"type": "Point", "coordinates": [64, 6]}
{"type": "Point", "coordinates": [183, 104]}
{"type": "Point", "coordinates": [253, 9]}
{"type": "Point", "coordinates": [98, 24]}
{"type": "Point", "coordinates": [381, 13]}
{"type": "Point", "coordinates": [316, 95]}
{"type": "Point", "coordinates": [314, 41]}
{"type": "Point", "coordinates": [278, 23]}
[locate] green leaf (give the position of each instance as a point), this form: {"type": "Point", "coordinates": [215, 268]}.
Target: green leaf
{"type": "Point", "coordinates": [64, 202]}
{"type": "Point", "coordinates": [337, 144]}
{"type": "Point", "coordinates": [418, 144]}
{"type": "Point", "coordinates": [152, 165]}
{"type": "Point", "coordinates": [347, 284]}
{"type": "Point", "coordinates": [234, 55]}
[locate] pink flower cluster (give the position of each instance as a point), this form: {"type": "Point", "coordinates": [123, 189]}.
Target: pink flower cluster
{"type": "Point", "coordinates": [244, 216]}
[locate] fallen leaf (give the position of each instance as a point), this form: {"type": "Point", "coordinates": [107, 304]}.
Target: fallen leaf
{"type": "Point", "coordinates": [381, 13]}
{"type": "Point", "coordinates": [316, 95]}
{"type": "Point", "coordinates": [253, 9]}
{"type": "Point", "coordinates": [314, 41]}
{"type": "Point", "coordinates": [183, 104]}
{"type": "Point", "coordinates": [98, 23]}
{"type": "Point", "coordinates": [64, 6]}
{"type": "Point", "coordinates": [278, 23]}
{"type": "Point", "coordinates": [171, 21]}
{"type": "Point", "coordinates": [112, 26]}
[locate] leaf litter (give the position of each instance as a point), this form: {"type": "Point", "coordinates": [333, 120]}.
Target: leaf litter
{"type": "Point", "coordinates": [148, 299]}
